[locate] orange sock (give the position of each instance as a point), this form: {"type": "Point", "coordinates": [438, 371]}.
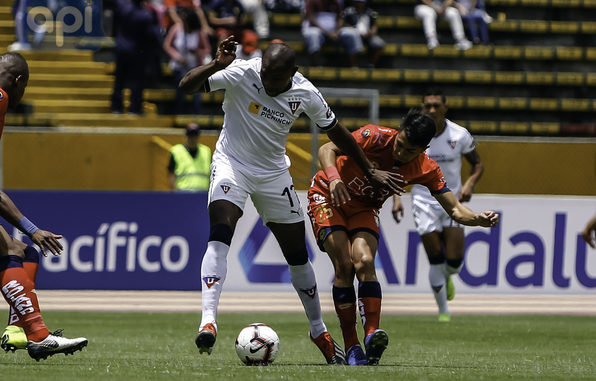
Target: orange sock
{"type": "Point", "coordinates": [17, 290]}
{"type": "Point", "coordinates": [30, 265]}
{"type": "Point", "coordinates": [344, 299]}
{"type": "Point", "coordinates": [369, 303]}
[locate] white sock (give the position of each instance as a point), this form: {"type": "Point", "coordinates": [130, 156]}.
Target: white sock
{"type": "Point", "coordinates": [436, 276]}
{"type": "Point", "coordinates": [303, 280]}
{"type": "Point", "coordinates": [213, 275]}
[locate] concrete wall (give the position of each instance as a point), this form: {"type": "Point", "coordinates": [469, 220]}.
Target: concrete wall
{"type": "Point", "coordinates": [99, 159]}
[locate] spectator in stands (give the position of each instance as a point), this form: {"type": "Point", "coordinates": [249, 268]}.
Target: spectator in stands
{"type": "Point", "coordinates": [589, 232]}
{"type": "Point", "coordinates": [259, 14]}
{"type": "Point", "coordinates": [429, 11]}
{"type": "Point", "coordinates": [137, 50]}
{"type": "Point", "coordinates": [187, 46]}
{"type": "Point", "coordinates": [227, 17]}
{"type": "Point", "coordinates": [364, 21]}
{"type": "Point", "coordinates": [323, 21]}
{"type": "Point", "coordinates": [474, 14]}
{"type": "Point", "coordinates": [172, 17]}
{"type": "Point", "coordinates": [189, 166]}
{"type": "Point", "coordinates": [19, 11]}
{"type": "Point", "coordinates": [249, 46]}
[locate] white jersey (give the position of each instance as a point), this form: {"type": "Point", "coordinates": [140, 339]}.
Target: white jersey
{"type": "Point", "coordinates": [447, 150]}
{"type": "Point", "coordinates": [256, 126]}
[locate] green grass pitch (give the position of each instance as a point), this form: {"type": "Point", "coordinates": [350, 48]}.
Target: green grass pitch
{"type": "Point", "coordinates": [144, 346]}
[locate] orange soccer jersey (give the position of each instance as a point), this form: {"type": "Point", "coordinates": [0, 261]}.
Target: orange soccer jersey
{"type": "Point", "coordinates": [3, 109]}
{"type": "Point", "coordinates": [361, 212]}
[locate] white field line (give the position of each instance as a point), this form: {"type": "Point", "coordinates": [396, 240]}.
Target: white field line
{"type": "Point", "coordinates": [420, 303]}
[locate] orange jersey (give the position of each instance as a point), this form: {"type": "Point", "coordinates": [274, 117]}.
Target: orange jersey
{"type": "Point", "coordinates": [3, 108]}
{"type": "Point", "coordinates": [377, 143]}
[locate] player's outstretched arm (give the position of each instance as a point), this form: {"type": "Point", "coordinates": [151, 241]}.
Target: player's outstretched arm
{"type": "Point", "coordinates": [589, 233]}
{"type": "Point", "coordinates": [194, 80]}
{"type": "Point", "coordinates": [346, 143]}
{"type": "Point", "coordinates": [463, 214]}
{"type": "Point", "coordinates": [42, 238]}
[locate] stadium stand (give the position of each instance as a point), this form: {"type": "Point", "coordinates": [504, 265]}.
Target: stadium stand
{"type": "Point", "coordinates": [534, 79]}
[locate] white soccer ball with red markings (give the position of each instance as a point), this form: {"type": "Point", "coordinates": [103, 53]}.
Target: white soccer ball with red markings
{"type": "Point", "coordinates": [257, 344]}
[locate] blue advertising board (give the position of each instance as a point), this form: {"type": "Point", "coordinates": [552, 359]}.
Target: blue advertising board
{"type": "Point", "coordinates": [119, 240]}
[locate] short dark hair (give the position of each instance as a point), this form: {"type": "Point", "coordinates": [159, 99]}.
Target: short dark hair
{"type": "Point", "coordinates": [419, 127]}
{"type": "Point", "coordinates": [438, 92]}
{"type": "Point", "coordinates": [15, 64]}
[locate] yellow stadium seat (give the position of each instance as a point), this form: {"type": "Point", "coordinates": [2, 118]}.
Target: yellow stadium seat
{"type": "Point", "coordinates": [509, 77]}
{"type": "Point", "coordinates": [540, 78]}
{"type": "Point", "coordinates": [481, 102]}
{"type": "Point", "coordinates": [534, 26]}
{"type": "Point", "coordinates": [475, 76]}
{"type": "Point", "coordinates": [544, 104]}
{"type": "Point", "coordinates": [588, 27]}
{"type": "Point", "coordinates": [591, 79]}
{"type": "Point", "coordinates": [456, 101]}
{"type": "Point", "coordinates": [386, 75]}
{"type": "Point", "coordinates": [566, 3]}
{"type": "Point", "coordinates": [507, 52]}
{"type": "Point", "coordinates": [569, 53]}
{"type": "Point", "coordinates": [572, 79]}
{"type": "Point", "coordinates": [538, 52]}
{"type": "Point", "coordinates": [446, 75]}
{"type": "Point", "coordinates": [514, 127]}
{"type": "Point", "coordinates": [479, 51]}
{"type": "Point", "coordinates": [577, 105]}
{"type": "Point", "coordinates": [416, 50]}
{"type": "Point", "coordinates": [537, 3]}
{"type": "Point", "coordinates": [412, 101]}
{"type": "Point", "coordinates": [591, 54]}
{"type": "Point", "coordinates": [481, 127]}
{"type": "Point", "coordinates": [504, 26]}
{"type": "Point", "coordinates": [411, 75]}
{"type": "Point", "coordinates": [513, 103]}
{"type": "Point", "coordinates": [542, 128]}
{"type": "Point", "coordinates": [564, 27]}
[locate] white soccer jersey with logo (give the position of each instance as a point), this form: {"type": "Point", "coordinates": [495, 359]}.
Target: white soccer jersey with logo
{"type": "Point", "coordinates": [447, 150]}
{"type": "Point", "coordinates": [256, 125]}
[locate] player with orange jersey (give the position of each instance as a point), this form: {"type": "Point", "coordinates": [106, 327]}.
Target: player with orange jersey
{"type": "Point", "coordinates": [17, 282]}
{"type": "Point", "coordinates": [344, 207]}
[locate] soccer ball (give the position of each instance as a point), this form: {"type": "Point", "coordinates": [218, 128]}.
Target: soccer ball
{"type": "Point", "coordinates": [257, 344]}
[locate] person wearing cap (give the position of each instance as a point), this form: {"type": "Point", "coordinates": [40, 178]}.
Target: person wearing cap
{"type": "Point", "coordinates": [190, 163]}
{"type": "Point", "coordinates": [249, 46]}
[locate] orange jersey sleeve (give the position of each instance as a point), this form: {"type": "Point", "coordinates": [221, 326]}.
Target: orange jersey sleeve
{"type": "Point", "coordinates": [3, 109]}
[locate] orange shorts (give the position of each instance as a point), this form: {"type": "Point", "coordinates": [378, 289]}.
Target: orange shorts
{"type": "Point", "coordinates": [351, 217]}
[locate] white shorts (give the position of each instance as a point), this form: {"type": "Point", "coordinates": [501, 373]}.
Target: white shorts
{"type": "Point", "coordinates": [431, 217]}
{"type": "Point", "coordinates": [273, 195]}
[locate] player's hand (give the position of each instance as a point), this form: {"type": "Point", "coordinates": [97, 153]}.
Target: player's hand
{"type": "Point", "coordinates": [47, 241]}
{"type": "Point", "coordinates": [465, 194]}
{"type": "Point", "coordinates": [488, 219]}
{"type": "Point", "coordinates": [398, 209]}
{"type": "Point", "coordinates": [339, 193]}
{"type": "Point", "coordinates": [391, 181]}
{"type": "Point", "coordinates": [226, 52]}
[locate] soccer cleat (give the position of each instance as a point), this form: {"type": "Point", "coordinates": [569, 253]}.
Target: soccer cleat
{"type": "Point", "coordinates": [450, 288]}
{"type": "Point", "coordinates": [356, 356]}
{"type": "Point", "coordinates": [13, 338]}
{"type": "Point", "coordinates": [330, 349]}
{"type": "Point", "coordinates": [206, 338]}
{"type": "Point", "coordinates": [53, 344]}
{"type": "Point", "coordinates": [444, 318]}
{"type": "Point", "coordinates": [375, 344]}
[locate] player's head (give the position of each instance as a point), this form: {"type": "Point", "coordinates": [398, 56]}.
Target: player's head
{"type": "Point", "coordinates": [278, 68]}
{"type": "Point", "coordinates": [415, 133]}
{"type": "Point", "coordinates": [14, 75]}
{"type": "Point", "coordinates": [435, 104]}
{"type": "Point", "coordinates": [192, 133]}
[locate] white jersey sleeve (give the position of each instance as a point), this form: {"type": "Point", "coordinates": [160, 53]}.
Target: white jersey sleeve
{"type": "Point", "coordinates": [319, 112]}
{"type": "Point", "coordinates": [228, 77]}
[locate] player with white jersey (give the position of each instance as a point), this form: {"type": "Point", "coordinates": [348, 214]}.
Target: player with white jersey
{"type": "Point", "coordinates": [263, 98]}
{"type": "Point", "coordinates": [442, 237]}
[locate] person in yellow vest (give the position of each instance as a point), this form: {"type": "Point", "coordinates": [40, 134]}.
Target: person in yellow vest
{"type": "Point", "coordinates": [190, 163]}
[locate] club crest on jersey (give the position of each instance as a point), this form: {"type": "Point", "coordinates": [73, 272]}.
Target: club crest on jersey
{"type": "Point", "coordinates": [254, 107]}
{"type": "Point", "coordinates": [452, 143]}
{"type": "Point", "coordinates": [210, 280]}
{"type": "Point", "coordinates": [225, 188]}
{"type": "Point", "coordinates": [322, 233]}
{"type": "Point", "coordinates": [311, 292]}
{"type": "Point", "coordinates": [294, 103]}
{"type": "Point", "coordinates": [366, 133]}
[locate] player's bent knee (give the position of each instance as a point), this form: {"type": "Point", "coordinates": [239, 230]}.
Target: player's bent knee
{"type": "Point", "coordinates": [296, 258]}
